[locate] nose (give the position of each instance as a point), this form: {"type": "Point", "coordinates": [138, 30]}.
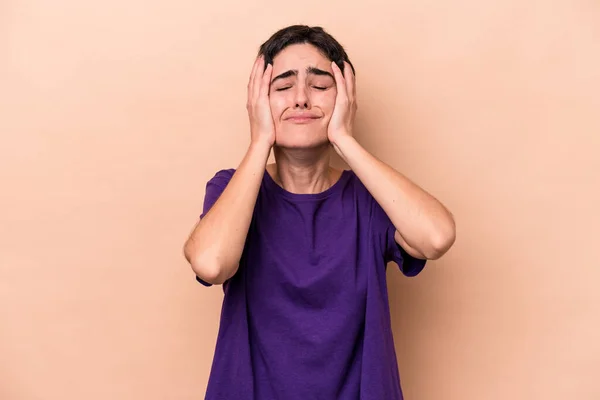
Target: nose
{"type": "Point", "coordinates": [301, 98]}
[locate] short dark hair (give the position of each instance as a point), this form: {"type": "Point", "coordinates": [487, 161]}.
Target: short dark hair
{"type": "Point", "coordinates": [299, 34]}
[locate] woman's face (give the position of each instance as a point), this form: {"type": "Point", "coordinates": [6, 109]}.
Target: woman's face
{"type": "Point", "coordinates": [302, 96]}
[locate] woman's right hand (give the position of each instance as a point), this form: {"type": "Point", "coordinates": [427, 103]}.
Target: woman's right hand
{"type": "Point", "coordinates": [262, 128]}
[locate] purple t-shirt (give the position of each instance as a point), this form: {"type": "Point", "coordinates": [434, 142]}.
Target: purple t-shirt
{"type": "Point", "coordinates": [306, 315]}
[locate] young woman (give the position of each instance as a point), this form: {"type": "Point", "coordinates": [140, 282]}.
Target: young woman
{"type": "Point", "coordinates": [301, 248]}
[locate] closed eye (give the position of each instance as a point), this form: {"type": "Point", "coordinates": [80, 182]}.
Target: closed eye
{"type": "Point", "coordinates": [287, 87]}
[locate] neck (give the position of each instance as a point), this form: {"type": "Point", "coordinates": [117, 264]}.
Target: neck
{"type": "Point", "coordinates": [303, 171]}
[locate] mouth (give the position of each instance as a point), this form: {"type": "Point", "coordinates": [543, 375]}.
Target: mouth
{"type": "Point", "coordinates": [302, 119]}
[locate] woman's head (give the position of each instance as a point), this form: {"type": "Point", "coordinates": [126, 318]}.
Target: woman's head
{"type": "Point", "coordinates": [303, 91]}
{"type": "Point", "coordinates": [303, 34]}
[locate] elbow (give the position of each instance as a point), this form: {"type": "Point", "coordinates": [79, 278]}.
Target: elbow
{"type": "Point", "coordinates": [205, 268]}
{"type": "Point", "coordinates": [443, 240]}
{"type": "Point", "coordinates": [208, 271]}
{"type": "Point", "coordinates": [208, 274]}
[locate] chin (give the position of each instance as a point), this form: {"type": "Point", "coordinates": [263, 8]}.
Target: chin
{"type": "Point", "coordinates": [301, 139]}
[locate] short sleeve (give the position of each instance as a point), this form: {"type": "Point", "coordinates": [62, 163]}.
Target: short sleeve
{"type": "Point", "coordinates": [214, 188]}
{"type": "Point", "coordinates": [409, 265]}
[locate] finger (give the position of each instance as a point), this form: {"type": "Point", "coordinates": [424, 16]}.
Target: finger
{"type": "Point", "coordinates": [350, 81]}
{"type": "Point", "coordinates": [251, 80]}
{"type": "Point", "coordinates": [258, 73]}
{"type": "Point", "coordinates": [340, 82]}
{"type": "Point", "coordinates": [266, 81]}
{"type": "Point", "coordinates": [251, 77]}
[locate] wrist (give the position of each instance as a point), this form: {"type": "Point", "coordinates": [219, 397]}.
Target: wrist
{"type": "Point", "coordinates": [260, 146]}
{"type": "Point", "coordinates": [341, 136]}
{"type": "Point", "coordinates": [343, 142]}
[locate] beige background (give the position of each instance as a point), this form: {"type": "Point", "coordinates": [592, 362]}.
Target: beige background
{"type": "Point", "coordinates": [114, 115]}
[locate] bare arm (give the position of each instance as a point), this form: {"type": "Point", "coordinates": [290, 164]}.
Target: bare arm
{"type": "Point", "coordinates": [215, 246]}
{"type": "Point", "coordinates": [424, 227]}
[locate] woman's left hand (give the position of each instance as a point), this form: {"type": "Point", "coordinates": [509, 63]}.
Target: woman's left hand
{"type": "Point", "coordinates": [342, 119]}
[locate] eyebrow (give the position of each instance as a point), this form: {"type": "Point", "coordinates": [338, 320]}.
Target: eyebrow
{"type": "Point", "coordinates": [309, 70]}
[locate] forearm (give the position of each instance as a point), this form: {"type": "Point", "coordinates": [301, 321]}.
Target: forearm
{"type": "Point", "coordinates": [422, 222]}
{"type": "Point", "coordinates": [215, 246]}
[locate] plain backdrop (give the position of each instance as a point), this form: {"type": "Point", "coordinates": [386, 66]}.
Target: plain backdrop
{"type": "Point", "coordinates": [114, 114]}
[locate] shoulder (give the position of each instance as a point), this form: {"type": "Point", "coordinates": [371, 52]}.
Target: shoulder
{"type": "Point", "coordinates": [222, 177]}
{"type": "Point", "coordinates": [359, 189]}
{"type": "Point", "coordinates": [224, 173]}
{"type": "Point", "coordinates": [215, 187]}
{"type": "Point", "coordinates": [367, 203]}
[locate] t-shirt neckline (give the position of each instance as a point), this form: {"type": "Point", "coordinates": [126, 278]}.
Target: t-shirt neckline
{"type": "Point", "coordinates": [307, 196]}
